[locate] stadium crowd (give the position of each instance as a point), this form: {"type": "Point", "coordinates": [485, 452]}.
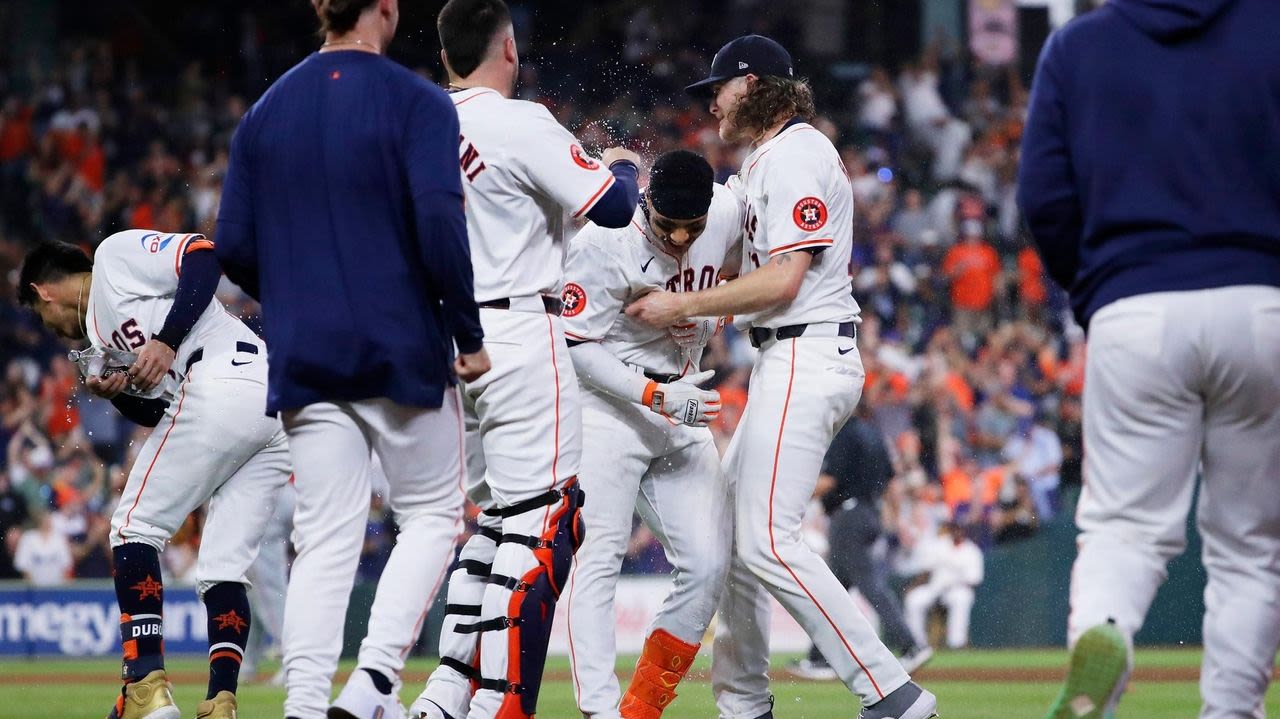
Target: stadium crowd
{"type": "Point", "coordinates": [974, 371]}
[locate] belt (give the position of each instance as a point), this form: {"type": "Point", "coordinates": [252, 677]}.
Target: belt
{"type": "Point", "coordinates": [551, 305]}
{"type": "Point", "coordinates": [760, 335]}
{"type": "Point", "coordinates": [245, 347]}
{"type": "Point", "coordinates": [658, 377]}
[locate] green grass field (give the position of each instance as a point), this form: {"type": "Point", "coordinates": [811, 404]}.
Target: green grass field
{"type": "Point", "coordinates": [970, 685]}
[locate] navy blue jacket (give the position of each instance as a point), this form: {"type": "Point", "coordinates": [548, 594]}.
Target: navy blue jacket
{"type": "Point", "coordinates": [1151, 156]}
{"type": "Point", "coordinates": [342, 214]}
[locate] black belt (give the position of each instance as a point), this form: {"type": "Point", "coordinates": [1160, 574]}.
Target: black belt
{"type": "Point", "coordinates": [760, 335]}
{"type": "Point", "coordinates": [661, 378]}
{"type": "Point", "coordinates": [245, 347]}
{"type": "Point", "coordinates": [553, 305]}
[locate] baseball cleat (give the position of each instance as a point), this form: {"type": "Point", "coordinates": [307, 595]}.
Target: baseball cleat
{"type": "Point", "coordinates": [147, 698]}
{"type": "Point", "coordinates": [1098, 673]}
{"type": "Point", "coordinates": [916, 658]}
{"type": "Point", "coordinates": [221, 706]}
{"type": "Point", "coordinates": [908, 701]}
{"type": "Point", "coordinates": [360, 699]}
{"type": "Point", "coordinates": [811, 670]}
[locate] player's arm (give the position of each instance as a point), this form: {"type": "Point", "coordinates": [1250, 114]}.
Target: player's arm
{"type": "Point", "coordinates": [198, 274]}
{"type": "Point", "coordinates": [604, 191]}
{"type": "Point", "coordinates": [139, 410]}
{"type": "Point", "coordinates": [1046, 179]}
{"type": "Point", "coordinates": [435, 180]}
{"type": "Point", "coordinates": [775, 283]}
{"type": "Point", "coordinates": [237, 248]}
{"type": "Point", "coordinates": [682, 401]}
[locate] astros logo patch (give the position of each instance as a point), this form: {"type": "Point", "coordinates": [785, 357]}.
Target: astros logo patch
{"type": "Point", "coordinates": [810, 214]}
{"type": "Point", "coordinates": [582, 159]}
{"type": "Point", "coordinates": [574, 298]}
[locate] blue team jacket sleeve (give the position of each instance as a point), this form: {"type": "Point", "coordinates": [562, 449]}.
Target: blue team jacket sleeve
{"type": "Point", "coordinates": [1047, 190]}
{"type": "Point", "coordinates": [236, 244]}
{"type": "Point", "coordinates": [435, 181]}
{"type": "Point", "coordinates": [196, 284]}
{"type": "Point", "coordinates": [618, 204]}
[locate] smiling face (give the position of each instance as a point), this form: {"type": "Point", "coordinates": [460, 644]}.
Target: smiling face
{"type": "Point", "coordinates": [675, 235]}
{"type": "Point", "coordinates": [724, 102]}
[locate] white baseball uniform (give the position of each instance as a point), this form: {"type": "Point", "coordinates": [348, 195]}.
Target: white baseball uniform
{"type": "Point", "coordinates": [803, 389]}
{"type": "Point", "coordinates": [214, 443]}
{"type": "Point", "coordinates": [522, 173]}
{"type": "Point", "coordinates": [635, 459]}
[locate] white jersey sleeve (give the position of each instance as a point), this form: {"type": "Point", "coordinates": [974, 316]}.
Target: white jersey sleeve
{"type": "Point", "coordinates": [596, 287]}
{"type": "Point", "coordinates": [552, 162]}
{"type": "Point", "coordinates": [798, 215]}
{"type": "Point", "coordinates": [143, 263]}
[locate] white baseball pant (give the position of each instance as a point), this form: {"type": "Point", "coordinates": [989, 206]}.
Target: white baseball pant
{"type": "Point", "coordinates": [524, 437]}
{"type": "Point", "coordinates": [421, 454]}
{"type": "Point", "coordinates": [270, 577]}
{"type": "Point", "coordinates": [635, 460]}
{"type": "Point", "coordinates": [802, 391]}
{"type": "Point", "coordinates": [213, 444]}
{"type": "Point", "coordinates": [1179, 381]}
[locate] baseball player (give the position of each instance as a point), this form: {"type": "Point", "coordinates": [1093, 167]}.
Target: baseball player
{"type": "Point", "coordinates": [1149, 180]}
{"type": "Point", "coordinates": [794, 297]}
{"type": "Point", "coordinates": [342, 212]}
{"type": "Point", "coordinates": [521, 174]}
{"type": "Point", "coordinates": [200, 378]}
{"type": "Point", "coordinates": [645, 443]}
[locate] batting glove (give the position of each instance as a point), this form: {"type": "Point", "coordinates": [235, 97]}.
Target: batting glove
{"type": "Point", "coordinates": [683, 401]}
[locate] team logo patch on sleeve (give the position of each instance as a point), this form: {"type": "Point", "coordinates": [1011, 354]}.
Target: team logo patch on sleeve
{"type": "Point", "coordinates": [582, 159]}
{"type": "Point", "coordinates": [574, 298]}
{"type": "Point", "coordinates": [810, 214]}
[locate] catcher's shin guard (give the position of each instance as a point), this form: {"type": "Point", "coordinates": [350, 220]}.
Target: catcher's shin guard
{"type": "Point", "coordinates": [452, 684]}
{"type": "Point", "coordinates": [550, 527]}
{"type": "Point", "coordinates": [663, 662]}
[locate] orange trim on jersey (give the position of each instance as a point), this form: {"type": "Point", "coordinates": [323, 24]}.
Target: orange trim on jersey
{"type": "Point", "coordinates": [578, 337]}
{"type": "Point", "coordinates": [801, 245]}
{"type": "Point", "coordinates": [226, 654]}
{"type": "Point", "coordinates": [773, 484]}
{"type": "Point", "coordinates": [757, 160]}
{"type": "Point", "coordinates": [182, 251]}
{"type": "Point", "coordinates": [485, 91]}
{"type": "Point", "coordinates": [200, 244]}
{"type": "Point", "coordinates": [172, 423]}
{"type": "Point", "coordinates": [596, 197]}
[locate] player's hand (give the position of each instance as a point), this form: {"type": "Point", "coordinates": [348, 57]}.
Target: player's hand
{"type": "Point", "coordinates": [614, 154]}
{"type": "Point", "coordinates": [684, 401]}
{"type": "Point", "coordinates": [471, 367]}
{"type": "Point", "coordinates": [154, 360]}
{"type": "Point", "coordinates": [696, 333]}
{"type": "Point", "coordinates": [659, 309]}
{"type": "Point", "coordinates": [107, 387]}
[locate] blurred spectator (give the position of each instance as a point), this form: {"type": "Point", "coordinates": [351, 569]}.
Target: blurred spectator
{"type": "Point", "coordinates": [43, 555]}
{"type": "Point", "coordinates": [972, 267]}
{"type": "Point", "coordinates": [1037, 455]}
{"type": "Point", "coordinates": [955, 567]}
{"type": "Point", "coordinates": [1014, 517]}
{"type": "Point", "coordinates": [13, 516]}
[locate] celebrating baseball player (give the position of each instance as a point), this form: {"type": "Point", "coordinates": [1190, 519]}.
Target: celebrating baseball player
{"type": "Point", "coordinates": [1164, 226]}
{"type": "Point", "coordinates": [645, 443]}
{"type": "Point", "coordinates": [794, 295]}
{"type": "Point", "coordinates": [522, 173]}
{"type": "Point", "coordinates": [342, 212]}
{"type": "Point", "coordinates": [199, 377]}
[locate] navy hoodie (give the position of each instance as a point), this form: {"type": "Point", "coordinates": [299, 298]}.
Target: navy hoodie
{"type": "Point", "coordinates": [1151, 156]}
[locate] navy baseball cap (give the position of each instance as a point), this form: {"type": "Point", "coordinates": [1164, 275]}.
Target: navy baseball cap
{"type": "Point", "coordinates": [747, 55]}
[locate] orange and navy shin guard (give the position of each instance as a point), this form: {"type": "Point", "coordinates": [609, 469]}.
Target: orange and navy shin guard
{"type": "Point", "coordinates": [664, 661]}
{"type": "Point", "coordinates": [531, 606]}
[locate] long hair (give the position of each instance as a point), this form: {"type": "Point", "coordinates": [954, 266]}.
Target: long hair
{"type": "Point", "coordinates": [771, 100]}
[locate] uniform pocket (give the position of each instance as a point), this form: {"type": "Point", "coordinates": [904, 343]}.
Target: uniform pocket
{"type": "Point", "coordinates": [1133, 326]}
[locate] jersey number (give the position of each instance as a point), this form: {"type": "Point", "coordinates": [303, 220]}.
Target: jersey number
{"type": "Point", "coordinates": [470, 161]}
{"type": "Point", "coordinates": [128, 337]}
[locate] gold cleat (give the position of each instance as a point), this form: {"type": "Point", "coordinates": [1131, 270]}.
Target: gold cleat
{"type": "Point", "coordinates": [221, 706]}
{"type": "Point", "coordinates": [147, 698]}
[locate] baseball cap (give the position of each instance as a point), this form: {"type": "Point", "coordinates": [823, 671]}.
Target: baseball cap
{"type": "Point", "coordinates": [747, 55]}
{"type": "Point", "coordinates": [681, 185]}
